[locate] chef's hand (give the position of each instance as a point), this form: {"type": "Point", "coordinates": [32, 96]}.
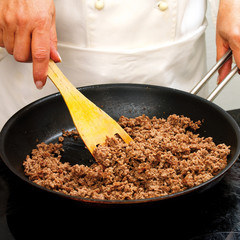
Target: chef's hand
{"type": "Point", "coordinates": [28, 32]}
{"type": "Point", "coordinates": [228, 34]}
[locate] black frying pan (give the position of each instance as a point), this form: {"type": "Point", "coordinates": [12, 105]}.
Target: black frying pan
{"type": "Point", "coordinates": [43, 121]}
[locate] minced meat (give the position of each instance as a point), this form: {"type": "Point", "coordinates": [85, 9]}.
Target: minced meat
{"type": "Point", "coordinates": [166, 157]}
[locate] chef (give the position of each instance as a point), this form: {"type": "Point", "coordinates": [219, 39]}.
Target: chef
{"type": "Point", "coordinates": [108, 41]}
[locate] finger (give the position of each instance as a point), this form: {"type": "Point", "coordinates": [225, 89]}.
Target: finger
{"type": "Point", "coordinates": [1, 38]}
{"type": "Point", "coordinates": [8, 39]}
{"type": "Point", "coordinates": [236, 56]}
{"type": "Point", "coordinates": [22, 45]}
{"type": "Point", "coordinates": [222, 48]}
{"type": "Point", "coordinates": [40, 47]}
{"type": "Point", "coordinates": [224, 70]}
{"type": "Point", "coordinates": [53, 44]}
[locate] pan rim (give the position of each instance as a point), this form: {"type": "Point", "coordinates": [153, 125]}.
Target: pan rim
{"type": "Point", "coordinates": [121, 202]}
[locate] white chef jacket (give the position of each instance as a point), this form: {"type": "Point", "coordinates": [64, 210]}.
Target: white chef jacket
{"type": "Point", "coordinates": [117, 41]}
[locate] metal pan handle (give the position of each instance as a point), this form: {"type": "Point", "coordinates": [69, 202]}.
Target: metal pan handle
{"type": "Point", "coordinates": [211, 72]}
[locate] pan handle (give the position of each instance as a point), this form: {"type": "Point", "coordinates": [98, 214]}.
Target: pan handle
{"type": "Point", "coordinates": [211, 72]}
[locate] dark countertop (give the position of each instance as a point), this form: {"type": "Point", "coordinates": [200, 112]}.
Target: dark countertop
{"type": "Point", "coordinates": [212, 215]}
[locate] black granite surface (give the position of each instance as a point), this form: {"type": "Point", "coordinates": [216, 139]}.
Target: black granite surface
{"type": "Point", "coordinates": [29, 213]}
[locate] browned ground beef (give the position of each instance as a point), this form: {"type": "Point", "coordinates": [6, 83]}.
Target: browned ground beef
{"type": "Point", "coordinates": [166, 157]}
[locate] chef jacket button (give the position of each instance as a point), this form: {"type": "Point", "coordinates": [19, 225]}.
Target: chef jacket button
{"type": "Point", "coordinates": [99, 4]}
{"type": "Point", "coordinates": [162, 5]}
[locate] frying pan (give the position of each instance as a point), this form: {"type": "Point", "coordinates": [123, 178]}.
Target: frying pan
{"type": "Point", "coordinates": [43, 121]}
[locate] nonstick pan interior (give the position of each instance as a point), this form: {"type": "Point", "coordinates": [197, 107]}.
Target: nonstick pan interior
{"type": "Point", "coordinates": [43, 121]}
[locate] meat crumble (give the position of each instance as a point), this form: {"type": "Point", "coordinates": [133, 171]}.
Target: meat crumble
{"type": "Point", "coordinates": [166, 157]}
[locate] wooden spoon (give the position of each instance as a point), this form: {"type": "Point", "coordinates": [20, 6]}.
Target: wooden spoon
{"type": "Point", "coordinates": [92, 123]}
